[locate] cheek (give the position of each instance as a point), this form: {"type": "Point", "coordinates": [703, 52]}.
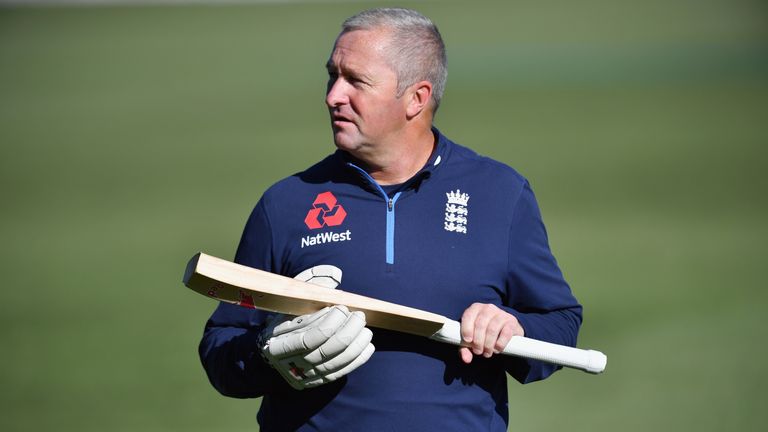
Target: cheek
{"type": "Point", "coordinates": [391, 113]}
{"type": "Point", "coordinates": [377, 113]}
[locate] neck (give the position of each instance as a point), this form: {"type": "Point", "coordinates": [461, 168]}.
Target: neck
{"type": "Point", "coordinates": [399, 161]}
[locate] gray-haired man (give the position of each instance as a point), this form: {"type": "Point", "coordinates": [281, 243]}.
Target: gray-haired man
{"type": "Point", "coordinates": [467, 243]}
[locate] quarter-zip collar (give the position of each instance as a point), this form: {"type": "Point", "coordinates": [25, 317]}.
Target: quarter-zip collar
{"type": "Point", "coordinates": [436, 160]}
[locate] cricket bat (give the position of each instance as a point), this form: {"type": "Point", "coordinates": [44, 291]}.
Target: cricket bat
{"type": "Point", "coordinates": [245, 286]}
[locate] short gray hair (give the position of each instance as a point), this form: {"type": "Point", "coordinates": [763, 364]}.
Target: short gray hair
{"type": "Point", "coordinates": [415, 51]}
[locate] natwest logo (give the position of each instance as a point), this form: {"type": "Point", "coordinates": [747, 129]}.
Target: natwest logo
{"type": "Point", "coordinates": [325, 212]}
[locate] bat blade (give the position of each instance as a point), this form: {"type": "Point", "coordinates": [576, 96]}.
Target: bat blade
{"type": "Point", "coordinates": [248, 287]}
{"type": "Point", "coordinates": [245, 286]}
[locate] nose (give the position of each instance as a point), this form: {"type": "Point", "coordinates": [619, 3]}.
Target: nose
{"type": "Point", "coordinates": [336, 94]}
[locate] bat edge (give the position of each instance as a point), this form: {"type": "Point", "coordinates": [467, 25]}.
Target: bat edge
{"type": "Point", "coordinates": [191, 268]}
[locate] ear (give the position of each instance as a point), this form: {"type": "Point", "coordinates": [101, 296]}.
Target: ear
{"type": "Point", "coordinates": [419, 98]}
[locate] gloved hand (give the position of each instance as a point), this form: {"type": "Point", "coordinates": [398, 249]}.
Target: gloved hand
{"type": "Point", "coordinates": [321, 347]}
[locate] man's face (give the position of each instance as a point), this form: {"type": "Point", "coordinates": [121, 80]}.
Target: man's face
{"type": "Point", "coordinates": [361, 94]}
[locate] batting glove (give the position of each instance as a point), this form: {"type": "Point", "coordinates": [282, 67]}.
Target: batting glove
{"type": "Point", "coordinates": [321, 347]}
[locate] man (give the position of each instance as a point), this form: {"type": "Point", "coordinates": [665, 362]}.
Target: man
{"type": "Point", "coordinates": [404, 215]}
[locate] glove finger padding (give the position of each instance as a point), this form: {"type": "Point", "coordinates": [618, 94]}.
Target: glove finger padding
{"type": "Point", "coordinates": [358, 361]}
{"type": "Point", "coordinates": [314, 331]}
{"type": "Point", "coordinates": [348, 334]}
{"type": "Point", "coordinates": [332, 359]}
{"type": "Point", "coordinates": [282, 325]}
{"type": "Point", "coordinates": [317, 348]}
{"type": "Point", "coordinates": [355, 348]}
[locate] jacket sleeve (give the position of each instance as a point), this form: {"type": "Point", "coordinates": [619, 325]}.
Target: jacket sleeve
{"type": "Point", "coordinates": [227, 349]}
{"type": "Point", "coordinates": [538, 295]}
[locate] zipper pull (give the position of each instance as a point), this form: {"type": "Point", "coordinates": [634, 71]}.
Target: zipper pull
{"type": "Point", "coordinates": [390, 204]}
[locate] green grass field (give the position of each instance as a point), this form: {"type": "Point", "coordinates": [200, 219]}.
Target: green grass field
{"type": "Point", "coordinates": [132, 137]}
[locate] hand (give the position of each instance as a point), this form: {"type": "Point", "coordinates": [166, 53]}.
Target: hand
{"type": "Point", "coordinates": [317, 348]}
{"type": "Point", "coordinates": [486, 330]}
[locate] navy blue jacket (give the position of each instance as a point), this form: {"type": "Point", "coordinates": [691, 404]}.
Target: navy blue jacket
{"type": "Point", "coordinates": [464, 229]}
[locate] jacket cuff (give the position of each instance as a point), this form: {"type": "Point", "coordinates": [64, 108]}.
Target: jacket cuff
{"type": "Point", "coordinates": [522, 369]}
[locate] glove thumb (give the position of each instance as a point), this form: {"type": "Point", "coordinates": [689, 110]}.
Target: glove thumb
{"type": "Point", "coordinates": [324, 275]}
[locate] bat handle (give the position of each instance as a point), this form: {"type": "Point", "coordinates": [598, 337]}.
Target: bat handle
{"type": "Point", "coordinates": [587, 360]}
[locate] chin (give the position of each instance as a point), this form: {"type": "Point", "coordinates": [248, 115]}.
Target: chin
{"type": "Point", "coordinates": [344, 142]}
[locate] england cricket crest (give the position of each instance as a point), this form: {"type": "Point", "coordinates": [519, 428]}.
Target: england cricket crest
{"type": "Point", "coordinates": [456, 211]}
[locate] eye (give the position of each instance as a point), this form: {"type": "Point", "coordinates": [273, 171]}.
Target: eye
{"type": "Point", "coordinates": [355, 81]}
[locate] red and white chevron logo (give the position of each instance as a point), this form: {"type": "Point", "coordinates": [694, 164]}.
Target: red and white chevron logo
{"type": "Point", "coordinates": [325, 211]}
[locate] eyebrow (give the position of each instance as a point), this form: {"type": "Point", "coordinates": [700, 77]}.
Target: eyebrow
{"type": "Point", "coordinates": [351, 72]}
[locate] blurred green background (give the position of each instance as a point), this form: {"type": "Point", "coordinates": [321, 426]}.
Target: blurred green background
{"type": "Point", "coordinates": [132, 137]}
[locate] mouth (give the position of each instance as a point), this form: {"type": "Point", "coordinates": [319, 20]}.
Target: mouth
{"type": "Point", "coordinates": [339, 120]}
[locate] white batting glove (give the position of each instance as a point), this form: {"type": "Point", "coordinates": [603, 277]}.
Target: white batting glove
{"type": "Point", "coordinates": [321, 347]}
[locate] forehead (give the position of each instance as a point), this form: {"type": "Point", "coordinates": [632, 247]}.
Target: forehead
{"type": "Point", "coordinates": [360, 49]}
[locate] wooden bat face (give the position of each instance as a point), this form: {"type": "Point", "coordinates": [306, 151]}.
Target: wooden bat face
{"type": "Point", "coordinates": [248, 287]}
